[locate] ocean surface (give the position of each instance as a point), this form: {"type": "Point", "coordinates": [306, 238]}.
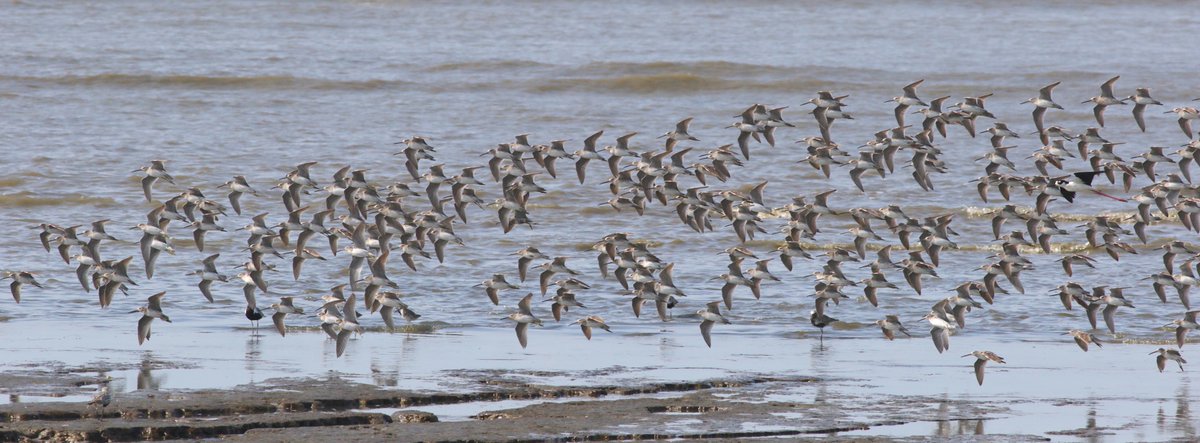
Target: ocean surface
{"type": "Point", "coordinates": [91, 91]}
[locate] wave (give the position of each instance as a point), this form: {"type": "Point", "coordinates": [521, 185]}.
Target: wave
{"type": "Point", "coordinates": [1055, 248]}
{"type": "Point", "coordinates": [715, 68]}
{"type": "Point", "coordinates": [673, 82]}
{"type": "Point", "coordinates": [618, 77]}
{"type": "Point", "coordinates": [487, 66]}
{"type": "Point", "coordinates": [11, 182]}
{"type": "Point", "coordinates": [697, 76]}
{"type": "Point", "coordinates": [985, 212]}
{"type": "Point", "coordinates": [29, 200]}
{"type": "Point", "coordinates": [210, 82]}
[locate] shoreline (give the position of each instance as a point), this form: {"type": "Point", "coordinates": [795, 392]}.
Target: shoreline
{"type": "Point", "coordinates": [323, 409]}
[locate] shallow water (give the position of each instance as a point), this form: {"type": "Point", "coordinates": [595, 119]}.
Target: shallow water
{"type": "Point", "coordinates": [253, 88]}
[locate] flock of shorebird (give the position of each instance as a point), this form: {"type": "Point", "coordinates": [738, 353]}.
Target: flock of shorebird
{"type": "Point", "coordinates": [378, 220]}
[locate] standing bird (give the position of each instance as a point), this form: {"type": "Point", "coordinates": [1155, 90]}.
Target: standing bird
{"type": "Point", "coordinates": [982, 358]}
{"type": "Point", "coordinates": [711, 316]}
{"type": "Point", "coordinates": [103, 396]}
{"type": "Point", "coordinates": [1165, 354]}
{"type": "Point", "coordinates": [820, 320]}
{"type": "Point", "coordinates": [254, 314]}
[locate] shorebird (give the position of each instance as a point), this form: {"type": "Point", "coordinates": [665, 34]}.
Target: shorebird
{"type": "Point", "coordinates": [621, 149]}
{"type": "Point", "coordinates": [890, 325]}
{"type": "Point", "coordinates": [151, 311]}
{"type": "Point", "coordinates": [282, 309]}
{"type": "Point", "coordinates": [525, 256]}
{"type": "Point", "coordinates": [1083, 338]}
{"type": "Point", "coordinates": [524, 317]}
{"type": "Point", "coordinates": [982, 358]}
{"type": "Point", "coordinates": [709, 317]}
{"type": "Point", "coordinates": [389, 303]}
{"type": "Point", "coordinates": [908, 99]}
{"type": "Point", "coordinates": [87, 261]}
{"type": "Point", "coordinates": [208, 275]}
{"type": "Point", "coordinates": [556, 266]}
{"type": "Point", "coordinates": [330, 315]}
{"type": "Point", "coordinates": [1068, 186]}
{"type": "Point", "coordinates": [154, 248]}
{"type": "Point", "coordinates": [302, 255]}
{"type": "Point", "coordinates": [207, 223]}
{"type": "Point", "coordinates": [1111, 301]}
{"type": "Point", "coordinates": [348, 324]}
{"type": "Point", "coordinates": [679, 134]}
{"type": "Point", "coordinates": [587, 154]}
{"type": "Point", "coordinates": [1104, 100]}
{"type": "Point", "coordinates": [940, 320]}
{"type": "Point", "coordinates": [1186, 115]}
{"type": "Point", "coordinates": [732, 280]}
{"type": "Point", "coordinates": [820, 320]}
{"type": "Point", "coordinates": [563, 301]}
{"type": "Point", "coordinates": [1165, 354]}
{"type": "Point", "coordinates": [1141, 99]}
{"type": "Point", "coordinates": [1182, 326]}
{"type": "Point", "coordinates": [494, 285]}
{"type": "Point", "coordinates": [1076, 259]}
{"type": "Point", "coordinates": [237, 187]}
{"type": "Point", "coordinates": [1041, 103]}
{"type": "Point", "coordinates": [254, 314]}
{"type": "Point", "coordinates": [103, 396]}
{"type": "Point", "coordinates": [592, 321]}
{"type": "Point", "coordinates": [19, 279]}
{"type": "Point", "coordinates": [156, 170]}
{"type": "Point", "coordinates": [747, 128]}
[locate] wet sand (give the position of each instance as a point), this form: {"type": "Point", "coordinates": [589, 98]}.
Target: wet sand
{"type": "Point", "coordinates": [478, 387]}
{"type": "Point", "coordinates": [334, 408]}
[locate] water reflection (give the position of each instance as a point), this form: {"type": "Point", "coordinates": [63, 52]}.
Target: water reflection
{"type": "Point", "coordinates": [383, 376]}
{"type": "Point", "coordinates": [146, 381]}
{"type": "Point", "coordinates": [945, 426]}
{"type": "Point", "coordinates": [1183, 410]}
{"type": "Point", "coordinates": [253, 355]}
{"type": "Point", "coordinates": [408, 352]}
{"type": "Point", "coordinates": [1091, 430]}
{"type": "Point", "coordinates": [666, 346]}
{"type": "Point", "coordinates": [943, 418]}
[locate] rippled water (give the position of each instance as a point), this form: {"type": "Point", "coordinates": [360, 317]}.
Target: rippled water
{"type": "Point", "coordinates": [89, 92]}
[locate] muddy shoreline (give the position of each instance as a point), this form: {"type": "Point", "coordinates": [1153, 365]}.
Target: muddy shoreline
{"type": "Point", "coordinates": [323, 409]}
